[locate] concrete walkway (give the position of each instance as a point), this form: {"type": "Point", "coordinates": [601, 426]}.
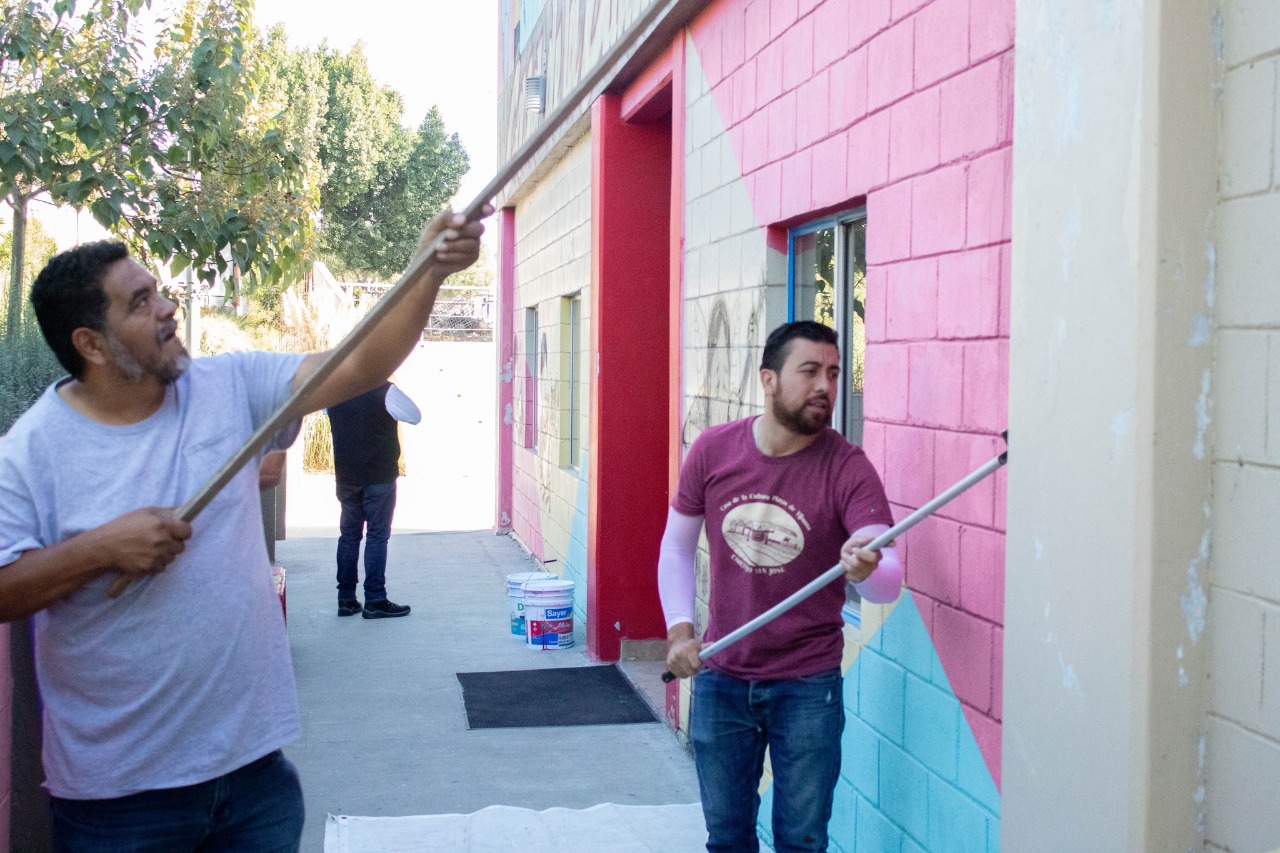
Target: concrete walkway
{"type": "Point", "coordinates": [385, 730]}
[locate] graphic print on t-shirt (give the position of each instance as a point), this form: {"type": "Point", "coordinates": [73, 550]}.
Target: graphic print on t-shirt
{"type": "Point", "coordinates": [762, 534]}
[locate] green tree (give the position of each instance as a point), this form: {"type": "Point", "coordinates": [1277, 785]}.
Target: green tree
{"type": "Point", "coordinates": [40, 248]}
{"type": "Point", "coordinates": [27, 366]}
{"type": "Point", "coordinates": [383, 181]}
{"type": "Point", "coordinates": [180, 157]}
{"type": "Point", "coordinates": [75, 113]}
{"type": "Point", "coordinates": [231, 192]}
{"type": "Point", "coordinates": [296, 86]}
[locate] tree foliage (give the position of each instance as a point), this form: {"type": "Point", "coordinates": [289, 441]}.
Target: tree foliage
{"type": "Point", "coordinates": [232, 186]}
{"type": "Point", "coordinates": [221, 149]}
{"type": "Point", "coordinates": [383, 180]}
{"type": "Point", "coordinates": [179, 155]}
{"type": "Point", "coordinates": [27, 366]}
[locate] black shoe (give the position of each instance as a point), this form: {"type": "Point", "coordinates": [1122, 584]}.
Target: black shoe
{"type": "Point", "coordinates": [349, 608]}
{"type": "Point", "coordinates": [384, 609]}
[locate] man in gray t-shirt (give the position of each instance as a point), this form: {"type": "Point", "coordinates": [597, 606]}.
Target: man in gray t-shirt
{"type": "Point", "coordinates": [164, 710]}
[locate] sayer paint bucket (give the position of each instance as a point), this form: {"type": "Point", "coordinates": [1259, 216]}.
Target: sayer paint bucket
{"type": "Point", "coordinates": [548, 611]}
{"type": "Point", "coordinates": [515, 596]}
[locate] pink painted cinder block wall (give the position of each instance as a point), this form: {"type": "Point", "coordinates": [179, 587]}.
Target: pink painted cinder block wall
{"type": "Point", "coordinates": [6, 728]}
{"type": "Point", "coordinates": [906, 106]}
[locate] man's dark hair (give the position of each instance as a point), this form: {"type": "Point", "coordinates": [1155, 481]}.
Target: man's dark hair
{"type": "Point", "coordinates": [68, 294]}
{"type": "Point", "coordinates": [778, 345]}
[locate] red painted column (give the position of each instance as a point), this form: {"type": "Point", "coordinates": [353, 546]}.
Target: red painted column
{"type": "Point", "coordinates": [504, 335]}
{"type": "Point", "coordinates": [630, 310]}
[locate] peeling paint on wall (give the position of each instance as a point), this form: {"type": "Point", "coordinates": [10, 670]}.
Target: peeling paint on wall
{"type": "Point", "coordinates": [1070, 681]}
{"type": "Point", "coordinates": [1199, 796]}
{"type": "Point", "coordinates": [1119, 429]}
{"type": "Point", "coordinates": [1211, 275]}
{"type": "Point", "coordinates": [1202, 416]}
{"type": "Point", "coordinates": [1195, 603]}
{"type": "Point", "coordinates": [1201, 331]}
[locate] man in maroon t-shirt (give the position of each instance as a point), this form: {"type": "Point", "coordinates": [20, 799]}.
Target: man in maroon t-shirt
{"type": "Point", "coordinates": [783, 498]}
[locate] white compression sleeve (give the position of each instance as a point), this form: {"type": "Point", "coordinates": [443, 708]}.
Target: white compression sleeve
{"type": "Point", "coordinates": [676, 582]}
{"type": "Point", "coordinates": [885, 583]}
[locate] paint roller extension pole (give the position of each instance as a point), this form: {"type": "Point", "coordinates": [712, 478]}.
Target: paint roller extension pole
{"type": "Point", "coordinates": [837, 571]}
{"type": "Point", "coordinates": [290, 408]}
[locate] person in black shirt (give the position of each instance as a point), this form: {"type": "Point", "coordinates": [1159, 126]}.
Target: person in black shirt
{"type": "Point", "coordinates": [366, 454]}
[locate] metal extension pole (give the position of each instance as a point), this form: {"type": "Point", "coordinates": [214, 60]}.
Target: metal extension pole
{"type": "Point", "coordinates": [837, 571]}
{"type": "Point", "coordinates": [292, 407]}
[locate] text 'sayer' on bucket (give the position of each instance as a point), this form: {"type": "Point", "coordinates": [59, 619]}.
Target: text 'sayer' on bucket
{"type": "Point", "coordinates": [548, 609]}
{"type": "Point", "coordinates": [516, 584]}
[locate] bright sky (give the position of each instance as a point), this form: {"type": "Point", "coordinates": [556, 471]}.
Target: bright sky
{"type": "Point", "coordinates": [441, 52]}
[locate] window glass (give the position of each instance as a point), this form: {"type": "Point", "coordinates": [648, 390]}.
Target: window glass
{"type": "Point", "coordinates": [829, 285]}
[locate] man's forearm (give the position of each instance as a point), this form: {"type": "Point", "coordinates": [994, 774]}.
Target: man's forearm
{"type": "Point", "coordinates": [44, 576]}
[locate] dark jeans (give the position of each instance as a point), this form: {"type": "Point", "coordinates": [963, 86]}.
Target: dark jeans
{"type": "Point", "coordinates": [731, 723]}
{"type": "Point", "coordinates": [256, 809]}
{"type": "Point", "coordinates": [365, 510]}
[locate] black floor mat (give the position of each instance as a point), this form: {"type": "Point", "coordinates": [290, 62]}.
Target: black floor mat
{"type": "Point", "coordinates": [562, 696]}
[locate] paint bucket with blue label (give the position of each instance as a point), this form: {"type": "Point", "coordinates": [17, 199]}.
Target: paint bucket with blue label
{"type": "Point", "coordinates": [515, 596]}
{"type": "Point", "coordinates": [548, 612]}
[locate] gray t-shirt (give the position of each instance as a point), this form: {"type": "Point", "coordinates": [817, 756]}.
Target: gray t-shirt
{"type": "Point", "coordinates": [186, 676]}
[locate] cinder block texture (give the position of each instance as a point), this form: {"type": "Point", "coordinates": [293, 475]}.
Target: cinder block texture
{"type": "Point", "coordinates": [1248, 128]}
{"type": "Point", "coordinates": [1237, 657]}
{"type": "Point", "coordinates": [1240, 381]}
{"type": "Point", "coordinates": [1251, 28]}
{"type": "Point", "coordinates": [1243, 773]}
{"type": "Point", "coordinates": [1249, 262]}
{"type": "Point", "coordinates": [1246, 538]}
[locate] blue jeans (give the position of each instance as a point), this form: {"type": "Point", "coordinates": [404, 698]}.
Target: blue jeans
{"type": "Point", "coordinates": [731, 723]}
{"type": "Point", "coordinates": [365, 509]}
{"type": "Point", "coordinates": [256, 809]}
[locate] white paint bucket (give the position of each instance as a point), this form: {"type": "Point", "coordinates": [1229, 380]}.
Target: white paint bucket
{"type": "Point", "coordinates": [548, 610]}
{"type": "Point", "coordinates": [515, 596]}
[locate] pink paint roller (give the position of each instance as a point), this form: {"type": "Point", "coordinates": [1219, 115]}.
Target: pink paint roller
{"type": "Point", "coordinates": [836, 572]}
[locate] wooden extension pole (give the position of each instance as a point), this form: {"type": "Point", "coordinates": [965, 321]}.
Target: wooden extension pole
{"type": "Point", "coordinates": [293, 407]}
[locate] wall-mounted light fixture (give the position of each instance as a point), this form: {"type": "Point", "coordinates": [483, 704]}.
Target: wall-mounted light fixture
{"type": "Point", "coordinates": [535, 94]}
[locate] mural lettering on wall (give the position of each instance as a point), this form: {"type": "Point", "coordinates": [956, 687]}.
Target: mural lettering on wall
{"type": "Point", "coordinates": [729, 380]}
{"type": "Point", "coordinates": [517, 399]}
{"type": "Point", "coordinates": [548, 425]}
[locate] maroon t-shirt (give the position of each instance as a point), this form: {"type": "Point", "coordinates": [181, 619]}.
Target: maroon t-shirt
{"type": "Point", "coordinates": [774, 523]}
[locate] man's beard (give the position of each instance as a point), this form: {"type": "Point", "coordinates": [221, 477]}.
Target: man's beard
{"type": "Point", "coordinates": [166, 372]}
{"type": "Point", "coordinates": [800, 420]}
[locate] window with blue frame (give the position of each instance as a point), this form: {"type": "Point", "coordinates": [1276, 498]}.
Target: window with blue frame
{"type": "Point", "coordinates": [828, 283]}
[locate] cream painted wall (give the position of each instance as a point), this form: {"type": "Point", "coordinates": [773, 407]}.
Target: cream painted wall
{"type": "Point", "coordinates": [1106, 689]}
{"type": "Point", "coordinates": [553, 261]}
{"type": "Point", "coordinates": [1243, 623]}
